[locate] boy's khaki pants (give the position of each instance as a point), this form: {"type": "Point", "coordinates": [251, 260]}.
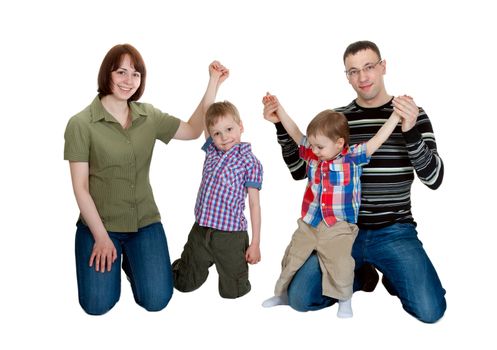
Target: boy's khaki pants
{"type": "Point", "coordinates": [333, 246]}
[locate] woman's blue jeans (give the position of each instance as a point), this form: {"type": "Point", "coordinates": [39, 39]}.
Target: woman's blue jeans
{"type": "Point", "coordinates": [395, 251]}
{"type": "Point", "coordinates": [145, 261]}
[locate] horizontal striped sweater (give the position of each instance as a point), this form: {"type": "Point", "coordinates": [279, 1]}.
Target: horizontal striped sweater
{"type": "Point", "coordinates": [387, 179]}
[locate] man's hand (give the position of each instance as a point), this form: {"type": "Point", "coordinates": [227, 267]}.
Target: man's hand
{"type": "Point", "coordinates": [405, 107]}
{"type": "Point", "coordinates": [271, 105]}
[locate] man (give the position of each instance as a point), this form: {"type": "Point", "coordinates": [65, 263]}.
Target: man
{"type": "Point", "coordinates": [387, 238]}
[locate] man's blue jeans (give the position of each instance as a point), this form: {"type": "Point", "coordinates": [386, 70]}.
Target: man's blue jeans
{"type": "Point", "coordinates": [145, 261]}
{"type": "Point", "coordinates": [395, 251]}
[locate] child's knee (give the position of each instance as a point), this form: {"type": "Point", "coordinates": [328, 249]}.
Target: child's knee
{"type": "Point", "coordinates": [232, 288]}
{"type": "Point", "coordinates": [186, 278]}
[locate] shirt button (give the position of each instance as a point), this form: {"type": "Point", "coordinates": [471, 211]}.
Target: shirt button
{"type": "Point", "coordinates": [132, 186]}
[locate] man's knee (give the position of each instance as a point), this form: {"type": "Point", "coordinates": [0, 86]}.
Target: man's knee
{"type": "Point", "coordinates": [298, 304]}
{"type": "Point", "coordinates": [300, 299]}
{"type": "Point", "coordinates": [433, 313]}
{"type": "Point", "coordinates": [430, 309]}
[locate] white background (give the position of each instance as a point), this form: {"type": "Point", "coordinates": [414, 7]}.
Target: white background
{"type": "Point", "coordinates": [442, 55]}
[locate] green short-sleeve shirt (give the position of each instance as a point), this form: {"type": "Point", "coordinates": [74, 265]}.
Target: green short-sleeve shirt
{"type": "Point", "coordinates": [119, 161]}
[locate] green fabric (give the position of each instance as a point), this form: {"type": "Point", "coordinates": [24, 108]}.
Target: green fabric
{"type": "Point", "coordinates": [207, 246]}
{"type": "Point", "coordinates": [119, 161]}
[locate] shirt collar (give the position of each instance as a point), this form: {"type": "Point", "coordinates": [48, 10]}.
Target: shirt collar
{"type": "Point", "coordinates": [241, 148]}
{"type": "Point", "coordinates": [306, 144]}
{"type": "Point", "coordinates": [343, 153]}
{"type": "Point", "coordinates": [98, 112]}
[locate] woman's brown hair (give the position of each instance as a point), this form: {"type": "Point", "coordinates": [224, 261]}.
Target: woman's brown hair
{"type": "Point", "coordinates": [112, 61]}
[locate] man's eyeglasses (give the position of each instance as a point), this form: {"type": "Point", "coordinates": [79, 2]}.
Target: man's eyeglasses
{"type": "Point", "coordinates": [354, 72]}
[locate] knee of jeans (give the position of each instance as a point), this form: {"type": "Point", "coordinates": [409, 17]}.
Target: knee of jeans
{"type": "Point", "coordinates": [298, 305]}
{"type": "Point", "coordinates": [431, 312]}
{"type": "Point", "coordinates": [156, 302]}
{"type": "Point", "coordinates": [431, 315]}
{"type": "Point", "coordinates": [96, 307]}
{"type": "Point", "coordinates": [297, 301]}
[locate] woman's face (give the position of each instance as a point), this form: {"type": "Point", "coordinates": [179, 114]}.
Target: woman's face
{"type": "Point", "coordinates": [125, 79]}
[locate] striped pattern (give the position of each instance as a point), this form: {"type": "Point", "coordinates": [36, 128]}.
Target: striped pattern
{"type": "Point", "coordinates": [333, 192]}
{"type": "Point", "coordinates": [226, 176]}
{"type": "Point", "coordinates": [387, 179]}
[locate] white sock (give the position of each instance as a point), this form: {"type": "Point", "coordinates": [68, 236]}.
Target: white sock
{"type": "Point", "coordinates": [276, 300]}
{"type": "Point", "coordinates": [345, 308]}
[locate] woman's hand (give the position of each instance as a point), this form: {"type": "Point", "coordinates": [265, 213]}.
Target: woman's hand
{"type": "Point", "coordinates": [103, 255]}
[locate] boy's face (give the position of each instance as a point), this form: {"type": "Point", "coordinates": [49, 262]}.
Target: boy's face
{"type": "Point", "coordinates": [226, 132]}
{"type": "Point", "coordinates": [325, 148]}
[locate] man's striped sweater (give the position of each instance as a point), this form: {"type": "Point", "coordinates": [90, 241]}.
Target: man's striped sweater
{"type": "Point", "coordinates": [387, 179]}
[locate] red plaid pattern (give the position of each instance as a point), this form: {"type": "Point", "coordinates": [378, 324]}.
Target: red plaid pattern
{"type": "Point", "coordinates": [333, 192]}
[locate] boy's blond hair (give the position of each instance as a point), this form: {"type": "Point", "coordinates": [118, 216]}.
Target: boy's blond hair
{"type": "Point", "coordinates": [218, 110]}
{"type": "Point", "coordinates": [331, 124]}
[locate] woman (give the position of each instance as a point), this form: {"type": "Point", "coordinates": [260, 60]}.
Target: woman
{"type": "Point", "coordinates": [109, 146]}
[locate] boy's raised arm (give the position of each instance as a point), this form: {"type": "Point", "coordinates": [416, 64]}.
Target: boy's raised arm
{"type": "Point", "coordinates": [195, 125]}
{"type": "Point", "coordinates": [218, 73]}
{"type": "Point", "coordinates": [383, 134]}
{"type": "Point", "coordinates": [273, 110]}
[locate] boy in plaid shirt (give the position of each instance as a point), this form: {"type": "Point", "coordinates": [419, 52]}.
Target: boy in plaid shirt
{"type": "Point", "coordinates": [331, 201]}
{"type": "Point", "coordinates": [219, 235]}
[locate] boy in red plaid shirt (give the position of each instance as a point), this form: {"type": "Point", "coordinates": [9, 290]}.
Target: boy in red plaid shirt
{"type": "Point", "coordinates": [331, 201]}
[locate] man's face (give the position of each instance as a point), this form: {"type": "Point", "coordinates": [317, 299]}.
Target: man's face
{"type": "Point", "coordinates": [365, 73]}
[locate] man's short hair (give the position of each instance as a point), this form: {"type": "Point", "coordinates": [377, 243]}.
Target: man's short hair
{"type": "Point", "coordinates": [354, 48]}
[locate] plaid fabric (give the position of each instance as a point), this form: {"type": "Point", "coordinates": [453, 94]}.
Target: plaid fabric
{"type": "Point", "coordinates": [333, 192]}
{"type": "Point", "coordinates": [225, 178]}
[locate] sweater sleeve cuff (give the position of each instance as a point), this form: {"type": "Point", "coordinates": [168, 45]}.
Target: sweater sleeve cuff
{"type": "Point", "coordinates": [412, 136]}
{"type": "Point", "coordinates": [279, 128]}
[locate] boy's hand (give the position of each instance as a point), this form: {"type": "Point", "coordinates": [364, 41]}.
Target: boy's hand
{"type": "Point", "coordinates": [218, 71]}
{"type": "Point", "coordinates": [271, 105]}
{"type": "Point", "coordinates": [405, 107]}
{"type": "Point", "coordinates": [253, 254]}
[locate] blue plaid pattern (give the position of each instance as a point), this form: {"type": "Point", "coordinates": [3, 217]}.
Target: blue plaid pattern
{"type": "Point", "coordinates": [225, 178]}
